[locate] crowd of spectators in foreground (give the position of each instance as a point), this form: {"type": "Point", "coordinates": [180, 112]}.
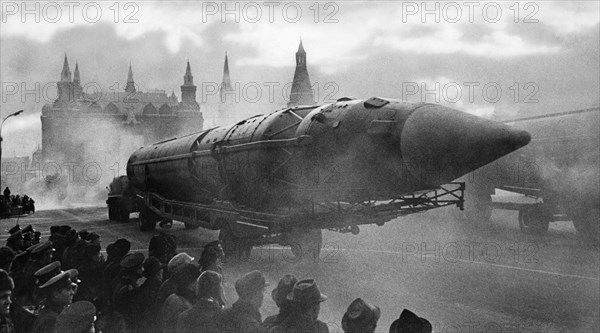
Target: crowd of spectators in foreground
{"type": "Point", "coordinates": [65, 285]}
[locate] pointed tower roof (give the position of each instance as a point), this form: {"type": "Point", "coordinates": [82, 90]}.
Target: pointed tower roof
{"type": "Point", "coordinates": [76, 77]}
{"type": "Point", "coordinates": [301, 47]}
{"type": "Point", "coordinates": [130, 74]}
{"type": "Point", "coordinates": [226, 66]}
{"type": "Point", "coordinates": [188, 78]}
{"type": "Point", "coordinates": [188, 69]}
{"type": "Point", "coordinates": [65, 75]}
{"type": "Point", "coordinates": [130, 86]}
{"type": "Point", "coordinates": [226, 83]}
{"type": "Point", "coordinates": [66, 64]}
{"type": "Point", "coordinates": [301, 93]}
{"type": "Point", "coordinates": [227, 93]}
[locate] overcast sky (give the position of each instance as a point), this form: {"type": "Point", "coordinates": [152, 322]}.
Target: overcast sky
{"type": "Point", "coordinates": [504, 58]}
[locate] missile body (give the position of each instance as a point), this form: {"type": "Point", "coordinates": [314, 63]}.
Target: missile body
{"type": "Point", "coordinates": [348, 151]}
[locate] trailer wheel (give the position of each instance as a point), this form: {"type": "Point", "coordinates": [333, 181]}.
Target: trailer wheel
{"type": "Point", "coordinates": [534, 220]}
{"type": "Point", "coordinates": [587, 224]}
{"type": "Point", "coordinates": [190, 226]}
{"type": "Point", "coordinates": [235, 248]}
{"type": "Point", "coordinates": [306, 243]}
{"type": "Point", "coordinates": [111, 212]}
{"type": "Point", "coordinates": [146, 222]}
{"type": "Point", "coordinates": [122, 214]}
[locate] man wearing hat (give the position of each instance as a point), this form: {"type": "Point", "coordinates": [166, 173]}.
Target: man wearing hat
{"type": "Point", "coordinates": [209, 305]}
{"type": "Point", "coordinates": [6, 287]}
{"type": "Point", "coordinates": [12, 315]}
{"type": "Point", "coordinates": [90, 271]}
{"type": "Point", "coordinates": [307, 299]}
{"type": "Point", "coordinates": [74, 247]}
{"type": "Point", "coordinates": [42, 276]}
{"type": "Point", "coordinates": [15, 240]}
{"type": "Point", "coordinates": [183, 298]}
{"type": "Point", "coordinates": [360, 317]}
{"type": "Point", "coordinates": [410, 323]}
{"type": "Point", "coordinates": [79, 317]}
{"type": "Point", "coordinates": [40, 256]}
{"type": "Point", "coordinates": [127, 288]}
{"type": "Point", "coordinates": [146, 296]}
{"type": "Point", "coordinates": [163, 247]}
{"type": "Point", "coordinates": [7, 255]}
{"type": "Point", "coordinates": [27, 233]}
{"type": "Point", "coordinates": [279, 295]}
{"type": "Point", "coordinates": [170, 285]}
{"type": "Point", "coordinates": [212, 257]}
{"type": "Point", "coordinates": [244, 315]}
{"type": "Point", "coordinates": [115, 252]}
{"type": "Point", "coordinates": [58, 242]}
{"type": "Point", "coordinates": [58, 293]}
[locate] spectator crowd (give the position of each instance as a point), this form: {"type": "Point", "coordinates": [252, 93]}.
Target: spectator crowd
{"type": "Point", "coordinates": [65, 285]}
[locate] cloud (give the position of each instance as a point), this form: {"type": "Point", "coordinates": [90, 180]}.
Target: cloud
{"type": "Point", "coordinates": [569, 17]}
{"type": "Point", "coordinates": [41, 22]}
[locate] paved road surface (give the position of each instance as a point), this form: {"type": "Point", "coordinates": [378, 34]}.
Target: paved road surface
{"type": "Point", "coordinates": [494, 279]}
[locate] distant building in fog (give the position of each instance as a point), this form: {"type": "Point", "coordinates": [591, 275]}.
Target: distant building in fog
{"type": "Point", "coordinates": [301, 93]}
{"type": "Point", "coordinates": [106, 127]}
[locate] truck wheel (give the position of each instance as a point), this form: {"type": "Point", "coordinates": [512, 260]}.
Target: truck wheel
{"type": "Point", "coordinates": [190, 226]}
{"type": "Point", "coordinates": [587, 225]}
{"type": "Point", "coordinates": [111, 212]}
{"type": "Point", "coordinates": [306, 243]}
{"type": "Point", "coordinates": [123, 215]}
{"type": "Point", "coordinates": [534, 220]}
{"type": "Point", "coordinates": [146, 222]}
{"type": "Point", "coordinates": [235, 248]}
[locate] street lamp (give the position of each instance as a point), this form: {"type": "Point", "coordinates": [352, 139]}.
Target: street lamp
{"type": "Point", "coordinates": [2, 124]}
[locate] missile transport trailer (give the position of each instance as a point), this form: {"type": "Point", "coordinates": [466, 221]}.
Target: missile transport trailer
{"type": "Point", "coordinates": [560, 169]}
{"type": "Point", "coordinates": [283, 177]}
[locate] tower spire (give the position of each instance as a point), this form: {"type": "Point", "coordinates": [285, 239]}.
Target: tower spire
{"type": "Point", "coordinates": [301, 47]}
{"type": "Point", "coordinates": [301, 93]}
{"type": "Point", "coordinates": [227, 93]}
{"type": "Point", "coordinates": [188, 78]}
{"type": "Point", "coordinates": [76, 77]}
{"type": "Point", "coordinates": [130, 86]}
{"type": "Point", "coordinates": [188, 89]}
{"type": "Point", "coordinates": [65, 75]}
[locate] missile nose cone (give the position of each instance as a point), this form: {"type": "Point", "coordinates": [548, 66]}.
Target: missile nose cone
{"type": "Point", "coordinates": [439, 144]}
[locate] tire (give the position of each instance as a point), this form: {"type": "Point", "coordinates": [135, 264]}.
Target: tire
{"type": "Point", "coordinates": [306, 244]}
{"type": "Point", "coordinates": [587, 224]}
{"type": "Point", "coordinates": [235, 248]}
{"type": "Point", "coordinates": [123, 215]}
{"type": "Point", "coordinates": [189, 226]}
{"type": "Point", "coordinates": [111, 212]}
{"type": "Point", "coordinates": [145, 221]}
{"type": "Point", "coordinates": [534, 220]}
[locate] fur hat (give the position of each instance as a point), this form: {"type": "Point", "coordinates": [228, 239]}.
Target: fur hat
{"type": "Point", "coordinates": [360, 316]}
{"type": "Point", "coordinates": [6, 282]}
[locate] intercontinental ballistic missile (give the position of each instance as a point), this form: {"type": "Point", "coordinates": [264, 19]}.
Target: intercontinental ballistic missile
{"type": "Point", "coordinates": [282, 177]}
{"type": "Point", "coordinates": [351, 150]}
